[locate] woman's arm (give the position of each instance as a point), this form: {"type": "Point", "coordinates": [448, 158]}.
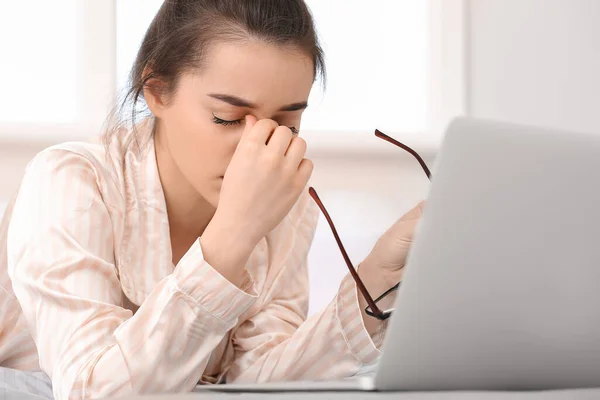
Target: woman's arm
{"type": "Point", "coordinates": [61, 262]}
{"type": "Point", "coordinates": [278, 344]}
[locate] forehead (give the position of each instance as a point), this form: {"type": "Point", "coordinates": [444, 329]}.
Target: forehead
{"type": "Point", "coordinates": [262, 73]}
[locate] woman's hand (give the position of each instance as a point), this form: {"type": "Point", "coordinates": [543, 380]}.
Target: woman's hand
{"type": "Point", "coordinates": [384, 265]}
{"type": "Point", "coordinates": [391, 249]}
{"type": "Point", "coordinates": [263, 181]}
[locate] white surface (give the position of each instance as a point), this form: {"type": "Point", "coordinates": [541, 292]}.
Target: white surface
{"type": "Point", "coordinates": [363, 383]}
{"type": "Point", "coordinates": [575, 394]}
{"type": "Point", "coordinates": [427, 47]}
{"type": "Point", "coordinates": [56, 85]}
{"type": "Point", "coordinates": [536, 62]}
{"type": "Point", "coordinates": [448, 63]}
{"type": "Point", "coordinates": [70, 95]}
{"type": "Point", "coordinates": [391, 81]}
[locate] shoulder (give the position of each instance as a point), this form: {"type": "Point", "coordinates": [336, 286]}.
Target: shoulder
{"type": "Point", "coordinates": [103, 164]}
{"type": "Point", "coordinates": [68, 156]}
{"type": "Point", "coordinates": [78, 161]}
{"type": "Point", "coordinates": [71, 174]}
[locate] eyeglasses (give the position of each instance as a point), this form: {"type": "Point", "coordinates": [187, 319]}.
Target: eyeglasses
{"type": "Point", "coordinates": [372, 308]}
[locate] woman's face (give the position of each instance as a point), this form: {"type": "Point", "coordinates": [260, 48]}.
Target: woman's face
{"type": "Point", "coordinates": [202, 123]}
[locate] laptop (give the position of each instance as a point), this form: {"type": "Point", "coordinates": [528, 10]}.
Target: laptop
{"type": "Point", "coordinates": [502, 288]}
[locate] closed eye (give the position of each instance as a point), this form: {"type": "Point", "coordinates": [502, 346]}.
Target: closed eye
{"type": "Point", "coordinates": [225, 122]}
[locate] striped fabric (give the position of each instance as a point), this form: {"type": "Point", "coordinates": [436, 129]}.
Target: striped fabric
{"type": "Point", "coordinates": [89, 294]}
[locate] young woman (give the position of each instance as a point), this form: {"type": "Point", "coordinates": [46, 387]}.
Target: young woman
{"type": "Point", "coordinates": [175, 253]}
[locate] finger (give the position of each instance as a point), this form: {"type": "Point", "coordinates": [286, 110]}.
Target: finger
{"type": "Point", "coordinates": [280, 140]}
{"type": "Point", "coordinates": [403, 229]}
{"type": "Point", "coordinates": [406, 229]}
{"type": "Point", "coordinates": [305, 170]}
{"type": "Point", "coordinates": [259, 131]}
{"type": "Point", "coordinates": [295, 152]}
{"type": "Point", "coordinates": [414, 213]}
{"type": "Point", "coordinates": [249, 122]}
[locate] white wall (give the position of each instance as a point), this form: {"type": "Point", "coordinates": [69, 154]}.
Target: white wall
{"type": "Point", "coordinates": [535, 62]}
{"type": "Point", "coordinates": [14, 156]}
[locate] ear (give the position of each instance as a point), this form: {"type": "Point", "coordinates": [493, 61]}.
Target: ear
{"type": "Point", "coordinates": [153, 93]}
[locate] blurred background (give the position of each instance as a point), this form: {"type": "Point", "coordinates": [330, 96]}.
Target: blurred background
{"type": "Point", "coordinates": [403, 66]}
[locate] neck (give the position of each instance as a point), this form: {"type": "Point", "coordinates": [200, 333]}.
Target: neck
{"type": "Point", "coordinates": [188, 212]}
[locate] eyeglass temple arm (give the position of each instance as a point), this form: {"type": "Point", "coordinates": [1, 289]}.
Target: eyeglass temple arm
{"type": "Point", "coordinates": [353, 272]}
{"type": "Point", "coordinates": [385, 137]}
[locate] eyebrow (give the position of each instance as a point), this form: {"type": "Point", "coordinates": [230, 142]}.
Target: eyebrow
{"type": "Point", "coordinates": [239, 102]}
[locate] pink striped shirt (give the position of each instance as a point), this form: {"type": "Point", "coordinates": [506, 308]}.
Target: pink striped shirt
{"type": "Point", "coordinates": [89, 293]}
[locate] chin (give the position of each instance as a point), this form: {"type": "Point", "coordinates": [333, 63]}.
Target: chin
{"type": "Point", "coordinates": [213, 196]}
{"type": "Point", "coordinates": [209, 191]}
{"type": "Point", "coordinates": [214, 201]}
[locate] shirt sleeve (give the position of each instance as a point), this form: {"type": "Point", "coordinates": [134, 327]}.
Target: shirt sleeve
{"type": "Point", "coordinates": [279, 343]}
{"type": "Point", "coordinates": [61, 263]}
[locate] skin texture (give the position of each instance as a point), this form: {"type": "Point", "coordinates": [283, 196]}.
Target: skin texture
{"type": "Point", "coordinates": [242, 177]}
{"type": "Point", "coordinates": [193, 152]}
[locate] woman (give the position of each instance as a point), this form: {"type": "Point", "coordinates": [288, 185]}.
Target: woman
{"type": "Point", "coordinates": [176, 253]}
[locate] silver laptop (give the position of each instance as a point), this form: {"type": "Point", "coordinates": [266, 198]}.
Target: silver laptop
{"type": "Point", "coordinates": [502, 289]}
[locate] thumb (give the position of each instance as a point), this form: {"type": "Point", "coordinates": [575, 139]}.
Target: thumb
{"type": "Point", "coordinates": [414, 213]}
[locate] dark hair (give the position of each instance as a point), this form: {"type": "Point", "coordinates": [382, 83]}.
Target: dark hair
{"type": "Point", "coordinates": [182, 32]}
